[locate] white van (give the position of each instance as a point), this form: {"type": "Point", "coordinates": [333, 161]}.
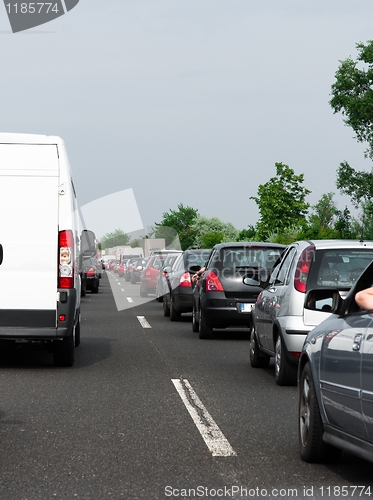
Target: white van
{"type": "Point", "coordinates": [40, 245]}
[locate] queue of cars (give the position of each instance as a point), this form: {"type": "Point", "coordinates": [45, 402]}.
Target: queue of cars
{"type": "Point", "coordinates": [298, 304]}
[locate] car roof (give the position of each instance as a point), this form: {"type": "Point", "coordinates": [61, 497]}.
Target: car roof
{"type": "Point", "coordinates": [253, 244]}
{"type": "Point", "coordinates": [324, 244]}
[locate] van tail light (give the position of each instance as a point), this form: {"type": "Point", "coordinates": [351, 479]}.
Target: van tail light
{"type": "Point", "coordinates": [65, 259]}
{"type": "Point", "coordinates": [303, 268]}
{"type": "Point", "coordinates": [213, 283]}
{"type": "Point", "coordinates": [185, 280]}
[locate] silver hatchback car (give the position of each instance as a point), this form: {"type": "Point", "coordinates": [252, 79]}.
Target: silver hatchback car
{"type": "Point", "coordinates": [280, 320]}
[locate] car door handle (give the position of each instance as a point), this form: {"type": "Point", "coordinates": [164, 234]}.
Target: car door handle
{"type": "Point", "coordinates": [357, 342]}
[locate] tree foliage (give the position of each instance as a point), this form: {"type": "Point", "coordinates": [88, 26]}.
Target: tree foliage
{"type": "Point", "coordinates": [181, 221]}
{"type": "Point", "coordinates": [358, 185]}
{"type": "Point", "coordinates": [352, 94]}
{"type": "Point", "coordinates": [114, 239]}
{"type": "Point", "coordinates": [281, 202]}
{"type": "Point", "coordinates": [209, 230]}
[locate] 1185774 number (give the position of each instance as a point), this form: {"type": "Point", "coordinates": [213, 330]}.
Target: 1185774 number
{"type": "Point", "coordinates": [32, 8]}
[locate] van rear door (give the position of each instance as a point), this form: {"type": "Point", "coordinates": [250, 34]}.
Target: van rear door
{"type": "Point", "coordinates": [29, 182]}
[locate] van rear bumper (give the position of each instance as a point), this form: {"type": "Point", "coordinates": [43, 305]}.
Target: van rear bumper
{"type": "Point", "coordinates": [40, 324]}
{"type": "Point", "coordinates": [27, 333]}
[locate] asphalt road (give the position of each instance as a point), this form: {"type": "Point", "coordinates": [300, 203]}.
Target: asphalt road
{"type": "Point", "coordinates": [114, 425]}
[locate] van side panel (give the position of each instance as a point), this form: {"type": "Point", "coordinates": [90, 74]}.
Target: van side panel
{"type": "Point", "coordinates": [29, 182]}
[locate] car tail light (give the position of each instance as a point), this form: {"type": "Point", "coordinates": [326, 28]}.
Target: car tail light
{"type": "Point", "coordinates": [65, 259]}
{"type": "Point", "coordinates": [185, 280]}
{"type": "Point", "coordinates": [213, 283]}
{"type": "Point", "coordinates": [90, 272]}
{"type": "Point", "coordinates": [303, 268]}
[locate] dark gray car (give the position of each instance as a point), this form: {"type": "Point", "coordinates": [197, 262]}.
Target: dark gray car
{"type": "Point", "coordinates": [336, 377]}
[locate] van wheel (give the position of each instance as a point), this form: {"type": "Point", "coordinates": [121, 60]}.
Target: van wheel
{"type": "Point", "coordinates": [63, 351]}
{"type": "Point", "coordinates": [77, 332]}
{"type": "Point", "coordinates": [257, 359]}
{"type": "Point", "coordinates": [285, 373]}
{"type": "Point", "coordinates": [166, 306]}
{"type": "Point", "coordinates": [95, 289]}
{"type": "Point", "coordinates": [83, 291]}
{"type": "Point", "coordinates": [205, 330]}
{"type": "Point", "coordinates": [310, 428]}
{"type": "Point", "coordinates": [174, 315]}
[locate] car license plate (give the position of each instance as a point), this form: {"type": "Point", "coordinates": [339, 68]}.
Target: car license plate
{"type": "Point", "coordinates": [245, 308]}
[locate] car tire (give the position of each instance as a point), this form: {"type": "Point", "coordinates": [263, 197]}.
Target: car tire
{"type": "Point", "coordinates": [257, 358]}
{"type": "Point", "coordinates": [174, 315]}
{"type": "Point", "coordinates": [63, 351]}
{"type": "Point", "coordinates": [205, 330]}
{"type": "Point", "coordinates": [142, 293]}
{"type": "Point", "coordinates": [310, 427]}
{"type": "Point", "coordinates": [166, 306]}
{"type": "Point", "coordinates": [95, 289]}
{"type": "Point", "coordinates": [285, 373]}
{"type": "Point", "coordinates": [195, 322]}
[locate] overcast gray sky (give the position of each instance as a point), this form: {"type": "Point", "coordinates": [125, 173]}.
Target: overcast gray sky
{"type": "Point", "coordinates": [188, 101]}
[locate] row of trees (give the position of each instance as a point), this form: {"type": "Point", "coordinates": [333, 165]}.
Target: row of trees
{"type": "Point", "coordinates": [285, 215]}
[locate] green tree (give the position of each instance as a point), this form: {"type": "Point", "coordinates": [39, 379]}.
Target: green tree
{"type": "Point", "coordinates": [114, 239]}
{"type": "Point", "coordinates": [357, 185]}
{"type": "Point", "coordinates": [217, 229]}
{"type": "Point", "coordinates": [352, 94]}
{"type": "Point", "coordinates": [179, 221]}
{"type": "Point", "coordinates": [281, 202]}
{"type": "Point", "coordinates": [247, 234]}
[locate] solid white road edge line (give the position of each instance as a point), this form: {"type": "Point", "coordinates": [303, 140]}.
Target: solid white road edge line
{"type": "Point", "coordinates": [130, 299]}
{"type": "Point", "coordinates": [143, 322]}
{"type": "Point", "coordinates": [212, 435]}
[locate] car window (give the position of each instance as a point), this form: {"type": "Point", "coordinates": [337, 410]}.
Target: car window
{"type": "Point", "coordinates": [339, 268]}
{"type": "Point", "coordinates": [286, 265]}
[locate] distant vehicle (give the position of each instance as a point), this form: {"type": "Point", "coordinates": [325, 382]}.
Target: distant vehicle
{"type": "Point", "coordinates": [281, 321]}
{"type": "Point", "coordinates": [336, 376]}
{"type": "Point", "coordinates": [162, 286]}
{"type": "Point", "coordinates": [149, 276]}
{"type": "Point", "coordinates": [137, 268]}
{"type": "Point", "coordinates": [37, 195]}
{"type": "Point", "coordinates": [92, 274]}
{"type": "Point", "coordinates": [178, 298]}
{"type": "Point", "coordinates": [226, 293]}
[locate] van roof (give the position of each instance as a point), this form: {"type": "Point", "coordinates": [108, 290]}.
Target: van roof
{"type": "Point", "coordinates": [14, 138]}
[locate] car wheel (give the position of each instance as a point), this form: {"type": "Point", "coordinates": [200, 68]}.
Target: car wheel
{"type": "Point", "coordinates": [63, 351]}
{"type": "Point", "coordinates": [166, 306]}
{"type": "Point", "coordinates": [310, 429]}
{"type": "Point", "coordinates": [195, 322]}
{"type": "Point", "coordinates": [142, 293]}
{"type": "Point", "coordinates": [95, 289]}
{"type": "Point", "coordinates": [285, 373]}
{"type": "Point", "coordinates": [257, 359]}
{"type": "Point", "coordinates": [174, 315]}
{"type": "Point", "coordinates": [205, 330]}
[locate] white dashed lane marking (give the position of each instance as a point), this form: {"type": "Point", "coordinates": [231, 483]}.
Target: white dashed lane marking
{"type": "Point", "coordinates": [143, 322]}
{"type": "Point", "coordinates": [209, 430]}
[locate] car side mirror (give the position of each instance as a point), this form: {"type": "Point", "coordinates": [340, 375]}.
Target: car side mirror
{"type": "Point", "coordinates": [323, 300]}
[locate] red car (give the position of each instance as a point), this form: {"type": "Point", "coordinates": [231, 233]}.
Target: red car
{"type": "Point", "coordinates": [149, 276]}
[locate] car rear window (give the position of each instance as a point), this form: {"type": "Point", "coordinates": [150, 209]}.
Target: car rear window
{"type": "Point", "coordinates": [234, 257]}
{"type": "Point", "coordinates": [339, 268]}
{"type": "Point", "coordinates": [197, 259]}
